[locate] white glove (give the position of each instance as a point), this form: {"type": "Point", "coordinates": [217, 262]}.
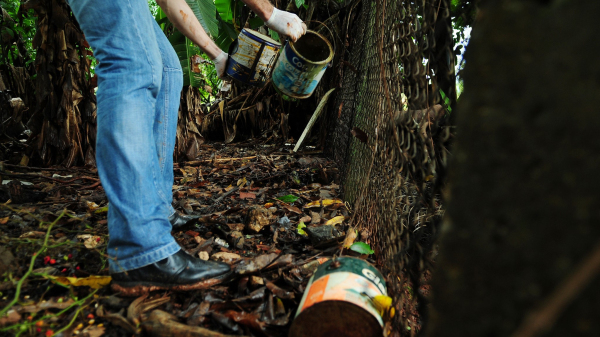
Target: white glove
{"type": "Point", "coordinates": [286, 23]}
{"type": "Point", "coordinates": [220, 63]}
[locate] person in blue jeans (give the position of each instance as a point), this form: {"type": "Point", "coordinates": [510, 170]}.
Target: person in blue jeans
{"type": "Point", "coordinates": [139, 85]}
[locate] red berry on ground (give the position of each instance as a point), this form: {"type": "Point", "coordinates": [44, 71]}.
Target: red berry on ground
{"type": "Point", "coordinates": [98, 239]}
{"type": "Point", "coordinates": [38, 330]}
{"type": "Point", "coordinates": [90, 316]}
{"type": "Point", "coordinates": [49, 333]}
{"type": "Point", "coordinates": [70, 256]}
{"type": "Point", "coordinates": [46, 259]}
{"type": "Point", "coordinates": [53, 261]}
{"type": "Point", "coordinates": [64, 270]}
{"type": "Point", "coordinates": [77, 267]}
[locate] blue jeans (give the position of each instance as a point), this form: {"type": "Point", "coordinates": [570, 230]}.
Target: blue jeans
{"type": "Point", "coordinates": [139, 85]}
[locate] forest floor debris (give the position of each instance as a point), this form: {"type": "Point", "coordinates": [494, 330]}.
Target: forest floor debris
{"type": "Point", "coordinates": [274, 216]}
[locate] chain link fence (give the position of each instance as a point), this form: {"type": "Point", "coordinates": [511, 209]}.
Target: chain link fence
{"type": "Point", "coordinates": [390, 133]}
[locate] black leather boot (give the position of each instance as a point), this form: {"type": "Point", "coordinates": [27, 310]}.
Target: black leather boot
{"type": "Point", "coordinates": [179, 272]}
{"type": "Point", "coordinates": [179, 220]}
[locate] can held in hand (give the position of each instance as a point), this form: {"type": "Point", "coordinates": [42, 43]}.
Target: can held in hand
{"type": "Point", "coordinates": [337, 301]}
{"type": "Point", "coordinates": [302, 64]}
{"type": "Point", "coordinates": [251, 57]}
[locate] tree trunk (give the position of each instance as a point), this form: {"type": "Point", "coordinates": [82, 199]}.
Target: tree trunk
{"type": "Point", "coordinates": [443, 60]}
{"type": "Point", "coordinates": [520, 251]}
{"type": "Point", "coordinates": [64, 122]}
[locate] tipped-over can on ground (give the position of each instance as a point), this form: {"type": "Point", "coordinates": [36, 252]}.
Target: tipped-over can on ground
{"type": "Point", "coordinates": [337, 301]}
{"type": "Point", "coordinates": [251, 57]}
{"type": "Point", "coordinates": [301, 65]}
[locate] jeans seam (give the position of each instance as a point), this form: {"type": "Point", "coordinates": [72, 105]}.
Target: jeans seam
{"type": "Point", "coordinates": [166, 124]}
{"type": "Point", "coordinates": [146, 255]}
{"type": "Point", "coordinates": [133, 17]}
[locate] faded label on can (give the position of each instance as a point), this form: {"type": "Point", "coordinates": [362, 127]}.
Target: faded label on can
{"type": "Point", "coordinates": [294, 76]}
{"type": "Point", "coordinates": [249, 53]}
{"type": "Point", "coordinates": [355, 282]}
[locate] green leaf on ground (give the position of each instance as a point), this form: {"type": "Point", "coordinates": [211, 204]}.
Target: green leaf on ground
{"type": "Point", "coordinates": [362, 248]}
{"type": "Point", "coordinates": [288, 198]}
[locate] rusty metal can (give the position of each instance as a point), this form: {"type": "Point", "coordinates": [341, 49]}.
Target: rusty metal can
{"type": "Point", "coordinates": [338, 301]}
{"type": "Point", "coordinates": [251, 57]}
{"type": "Point", "coordinates": [301, 65]}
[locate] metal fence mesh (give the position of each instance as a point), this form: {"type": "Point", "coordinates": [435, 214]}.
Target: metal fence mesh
{"type": "Point", "coordinates": [389, 139]}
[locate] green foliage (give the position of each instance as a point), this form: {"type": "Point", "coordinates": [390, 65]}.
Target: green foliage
{"type": "Point", "coordinates": [274, 35]}
{"type": "Point", "coordinates": [288, 198]}
{"type": "Point", "coordinates": [17, 27]}
{"type": "Point", "coordinates": [361, 248]}
{"type": "Point", "coordinates": [205, 11]}
{"type": "Point", "coordinates": [186, 50]}
{"type": "Point", "coordinates": [224, 8]}
{"type": "Point", "coordinates": [227, 34]}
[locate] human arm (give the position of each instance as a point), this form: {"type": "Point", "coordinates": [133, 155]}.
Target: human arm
{"type": "Point", "coordinates": [183, 18]}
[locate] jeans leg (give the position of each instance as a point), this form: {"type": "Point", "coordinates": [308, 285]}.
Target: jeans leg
{"type": "Point", "coordinates": [130, 74]}
{"type": "Point", "coordinates": [167, 109]}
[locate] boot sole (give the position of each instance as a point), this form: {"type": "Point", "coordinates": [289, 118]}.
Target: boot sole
{"type": "Point", "coordinates": [131, 289]}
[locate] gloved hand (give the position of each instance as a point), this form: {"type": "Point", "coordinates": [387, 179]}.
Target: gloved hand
{"type": "Point", "coordinates": [286, 23]}
{"type": "Point", "coordinates": [220, 62]}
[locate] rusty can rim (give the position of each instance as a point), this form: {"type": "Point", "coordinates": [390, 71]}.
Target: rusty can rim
{"type": "Point", "coordinates": [261, 38]}
{"type": "Point", "coordinates": [327, 60]}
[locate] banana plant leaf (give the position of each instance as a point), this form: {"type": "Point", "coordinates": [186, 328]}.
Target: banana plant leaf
{"type": "Point", "coordinates": [185, 49]}
{"type": "Point", "coordinates": [227, 34]}
{"type": "Point", "coordinates": [206, 12]}
{"type": "Point", "coordinates": [224, 10]}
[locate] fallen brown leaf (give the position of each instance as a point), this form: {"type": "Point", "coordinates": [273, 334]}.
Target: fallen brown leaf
{"type": "Point", "coordinates": [279, 292]}
{"type": "Point", "coordinates": [12, 317]}
{"type": "Point", "coordinates": [162, 324]}
{"type": "Point", "coordinates": [247, 195]}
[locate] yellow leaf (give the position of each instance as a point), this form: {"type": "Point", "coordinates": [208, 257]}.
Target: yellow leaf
{"type": "Point", "coordinates": [326, 202]}
{"type": "Point", "coordinates": [242, 182]}
{"type": "Point", "coordinates": [335, 220]}
{"type": "Point", "coordinates": [382, 303]}
{"type": "Point", "coordinates": [429, 177]}
{"type": "Point", "coordinates": [269, 204]}
{"type": "Point", "coordinates": [94, 282]}
{"type": "Point", "coordinates": [350, 237]}
{"type": "Point", "coordinates": [301, 227]}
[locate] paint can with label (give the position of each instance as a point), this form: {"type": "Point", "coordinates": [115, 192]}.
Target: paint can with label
{"type": "Point", "coordinates": [302, 64]}
{"type": "Point", "coordinates": [337, 301]}
{"type": "Point", "coordinates": [251, 57]}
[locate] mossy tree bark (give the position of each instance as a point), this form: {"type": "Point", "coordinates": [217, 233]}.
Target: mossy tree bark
{"type": "Point", "coordinates": [521, 234]}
